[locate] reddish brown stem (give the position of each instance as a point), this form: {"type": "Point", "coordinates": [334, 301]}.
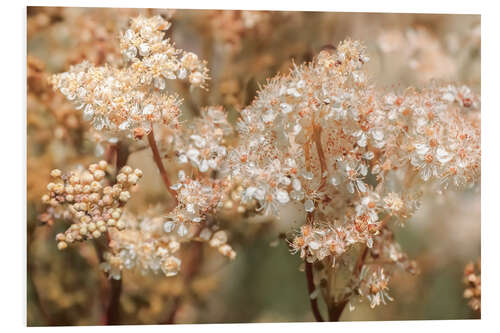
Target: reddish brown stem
{"type": "Point", "coordinates": [110, 154]}
{"type": "Point", "coordinates": [311, 288]}
{"type": "Point", "coordinates": [335, 309]}
{"type": "Point", "coordinates": [171, 316]}
{"type": "Point", "coordinates": [310, 279]}
{"type": "Point", "coordinates": [113, 311]}
{"type": "Point", "coordinates": [117, 153]}
{"type": "Point", "coordinates": [122, 154]}
{"type": "Point", "coordinates": [111, 308]}
{"type": "Point", "coordinates": [192, 268]}
{"type": "Point", "coordinates": [159, 164]}
{"type": "Point", "coordinates": [361, 261]}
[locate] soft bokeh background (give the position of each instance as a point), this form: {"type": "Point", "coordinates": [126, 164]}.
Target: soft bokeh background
{"type": "Point", "coordinates": [264, 283]}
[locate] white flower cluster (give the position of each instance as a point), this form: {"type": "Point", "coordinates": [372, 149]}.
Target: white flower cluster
{"type": "Point", "coordinates": [144, 246]}
{"type": "Point", "coordinates": [318, 103]}
{"type": "Point", "coordinates": [436, 132]}
{"type": "Point", "coordinates": [128, 99]}
{"type": "Point", "coordinates": [149, 244]}
{"type": "Point", "coordinates": [354, 159]}
{"type": "Point", "coordinates": [113, 100]}
{"type": "Point", "coordinates": [373, 275]}
{"type": "Point", "coordinates": [145, 46]}
{"type": "Point", "coordinates": [202, 143]}
{"type": "Point", "coordinates": [196, 200]}
{"type": "Point", "coordinates": [324, 137]}
{"type": "Point", "coordinates": [193, 217]}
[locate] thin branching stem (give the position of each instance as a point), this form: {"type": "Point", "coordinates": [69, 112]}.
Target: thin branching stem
{"type": "Point", "coordinates": [191, 269]}
{"type": "Point", "coordinates": [321, 155]}
{"type": "Point", "coordinates": [311, 288]}
{"type": "Point", "coordinates": [159, 164]}
{"type": "Point", "coordinates": [310, 281]}
{"type": "Point", "coordinates": [117, 154]}
{"type": "Point", "coordinates": [113, 311]}
{"type": "Point", "coordinates": [335, 311]}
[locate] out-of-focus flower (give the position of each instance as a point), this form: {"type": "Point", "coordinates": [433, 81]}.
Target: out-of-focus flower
{"type": "Point", "coordinates": [472, 281]}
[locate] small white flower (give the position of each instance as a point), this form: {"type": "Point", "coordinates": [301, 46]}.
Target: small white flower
{"type": "Point", "coordinates": [282, 196]}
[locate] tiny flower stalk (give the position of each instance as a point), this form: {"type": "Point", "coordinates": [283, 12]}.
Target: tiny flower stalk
{"type": "Point", "coordinates": [321, 156]}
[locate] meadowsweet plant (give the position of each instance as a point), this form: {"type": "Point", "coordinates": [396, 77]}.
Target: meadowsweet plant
{"type": "Point", "coordinates": [348, 156]}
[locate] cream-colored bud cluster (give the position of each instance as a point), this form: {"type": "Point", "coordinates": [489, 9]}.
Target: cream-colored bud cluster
{"type": "Point", "coordinates": [94, 206]}
{"type": "Point", "coordinates": [219, 241]}
{"type": "Point", "coordinates": [232, 201]}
